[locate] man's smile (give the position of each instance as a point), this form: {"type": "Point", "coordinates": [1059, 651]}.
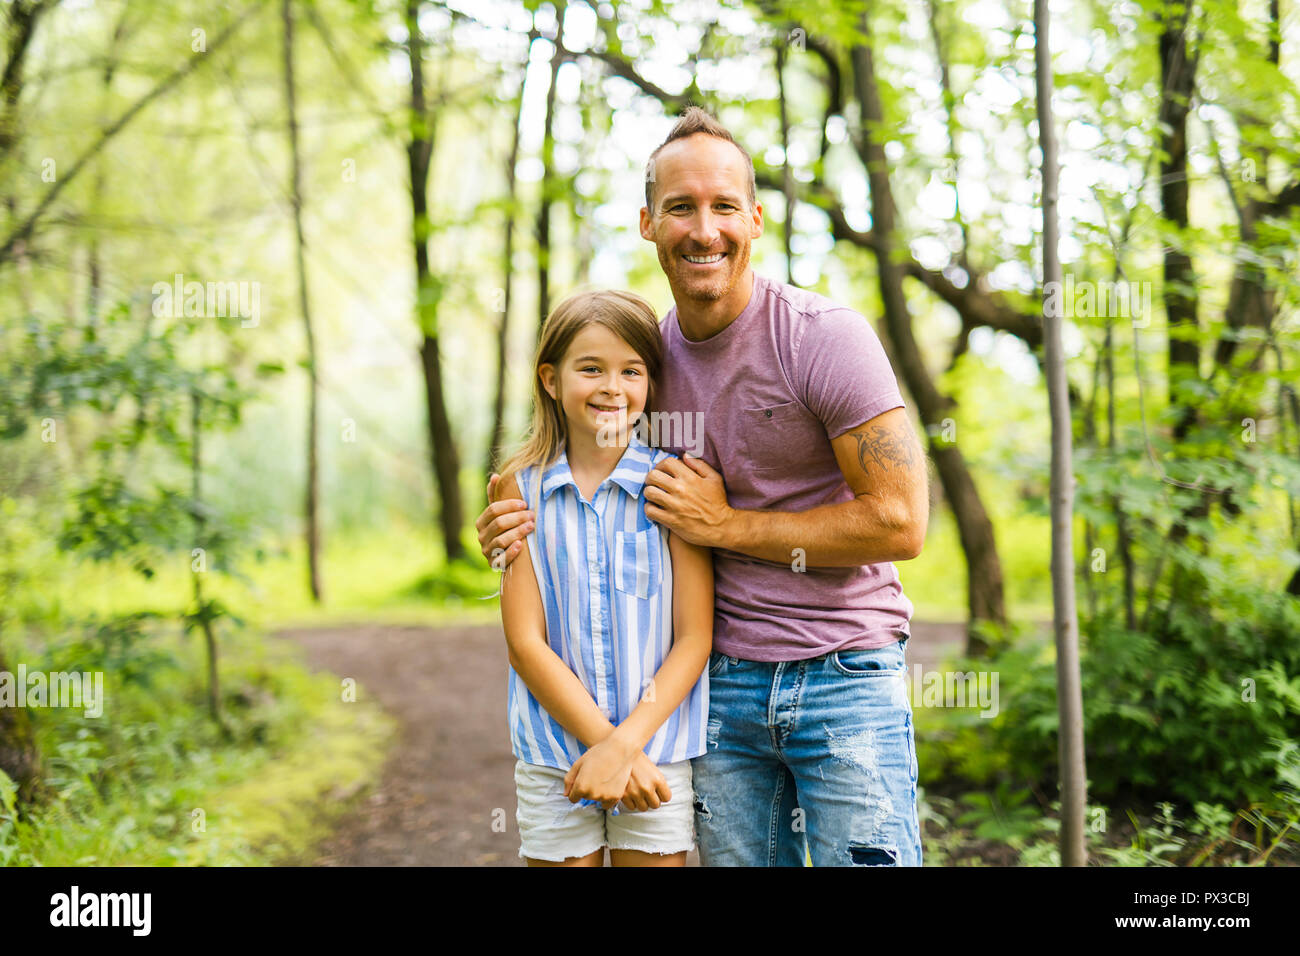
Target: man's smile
{"type": "Point", "coordinates": [705, 260]}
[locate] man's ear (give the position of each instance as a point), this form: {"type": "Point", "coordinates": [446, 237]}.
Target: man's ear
{"type": "Point", "coordinates": [646, 231]}
{"type": "Point", "coordinates": [758, 220]}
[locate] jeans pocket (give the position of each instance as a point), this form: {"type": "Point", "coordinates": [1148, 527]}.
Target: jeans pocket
{"type": "Point", "coordinates": [885, 661]}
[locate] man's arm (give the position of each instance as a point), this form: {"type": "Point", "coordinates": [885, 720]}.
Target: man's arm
{"type": "Point", "coordinates": [881, 461]}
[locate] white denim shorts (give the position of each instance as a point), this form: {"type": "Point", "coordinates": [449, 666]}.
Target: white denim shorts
{"type": "Point", "coordinates": [553, 829]}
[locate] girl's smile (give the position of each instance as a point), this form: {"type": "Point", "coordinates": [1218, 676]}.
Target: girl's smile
{"type": "Point", "coordinates": [600, 382]}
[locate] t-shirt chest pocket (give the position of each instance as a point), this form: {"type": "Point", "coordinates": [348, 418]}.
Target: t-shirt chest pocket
{"type": "Point", "coordinates": [637, 568]}
{"type": "Point", "coordinates": [772, 435]}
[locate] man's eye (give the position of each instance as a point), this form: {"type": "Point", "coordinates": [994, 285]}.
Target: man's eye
{"type": "Point", "coordinates": [680, 205]}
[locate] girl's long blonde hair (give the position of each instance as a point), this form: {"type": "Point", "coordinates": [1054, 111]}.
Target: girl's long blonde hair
{"type": "Point", "coordinates": [628, 316]}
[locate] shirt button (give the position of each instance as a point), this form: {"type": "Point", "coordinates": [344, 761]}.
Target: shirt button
{"type": "Point", "coordinates": [767, 413]}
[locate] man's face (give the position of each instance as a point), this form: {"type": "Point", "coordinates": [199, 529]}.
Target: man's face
{"type": "Point", "coordinates": [702, 224]}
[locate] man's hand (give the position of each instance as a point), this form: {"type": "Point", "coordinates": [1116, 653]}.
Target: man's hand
{"type": "Point", "coordinates": [688, 497]}
{"type": "Point", "coordinates": [647, 787]}
{"type": "Point", "coordinates": [502, 527]}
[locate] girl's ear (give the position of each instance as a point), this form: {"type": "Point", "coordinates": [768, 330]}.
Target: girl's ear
{"type": "Point", "coordinates": [546, 371]}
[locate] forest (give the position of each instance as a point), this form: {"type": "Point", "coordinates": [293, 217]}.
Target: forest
{"type": "Point", "coordinates": [272, 276]}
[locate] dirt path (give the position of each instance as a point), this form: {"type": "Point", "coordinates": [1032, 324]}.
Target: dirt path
{"type": "Point", "coordinates": [450, 777]}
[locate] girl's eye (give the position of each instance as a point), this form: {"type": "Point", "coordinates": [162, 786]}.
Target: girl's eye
{"type": "Point", "coordinates": [633, 371]}
{"type": "Point", "coordinates": [589, 368]}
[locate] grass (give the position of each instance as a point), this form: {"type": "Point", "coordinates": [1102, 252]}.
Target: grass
{"type": "Point", "coordinates": [1000, 827]}
{"type": "Point", "coordinates": [384, 577]}
{"type": "Point", "coordinates": [154, 783]}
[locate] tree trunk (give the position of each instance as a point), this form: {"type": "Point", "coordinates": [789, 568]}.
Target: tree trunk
{"type": "Point", "coordinates": [94, 265]}
{"type": "Point", "coordinates": [1250, 299]}
{"type": "Point", "coordinates": [1289, 402]}
{"type": "Point", "coordinates": [21, 22]}
{"type": "Point", "coordinates": [19, 758]}
{"type": "Point", "coordinates": [983, 569]}
{"type": "Point", "coordinates": [1065, 617]}
{"type": "Point", "coordinates": [508, 274]}
{"type": "Point", "coordinates": [200, 542]}
{"type": "Point", "coordinates": [1177, 76]}
{"type": "Point", "coordinates": [311, 503]}
{"type": "Point", "coordinates": [548, 171]}
{"type": "Point", "coordinates": [1122, 542]}
{"type": "Point", "coordinates": [446, 461]}
{"type": "Point", "coordinates": [787, 173]}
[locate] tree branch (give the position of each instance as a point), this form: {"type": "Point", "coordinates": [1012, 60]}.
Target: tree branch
{"type": "Point", "coordinates": [25, 228]}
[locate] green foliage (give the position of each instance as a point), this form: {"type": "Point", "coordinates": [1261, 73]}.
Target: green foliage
{"type": "Point", "coordinates": [454, 582]}
{"type": "Point", "coordinates": [1003, 815]}
{"type": "Point", "coordinates": [1151, 700]}
{"type": "Point", "coordinates": [1148, 702]}
{"type": "Point", "coordinates": [1211, 838]}
{"type": "Point", "coordinates": [1209, 834]}
{"type": "Point", "coordinates": [109, 519]}
{"type": "Point", "coordinates": [960, 743]}
{"type": "Point", "coordinates": [121, 645]}
{"type": "Point", "coordinates": [123, 789]}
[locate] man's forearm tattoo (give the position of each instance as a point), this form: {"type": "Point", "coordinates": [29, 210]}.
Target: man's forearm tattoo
{"type": "Point", "coordinates": [884, 447]}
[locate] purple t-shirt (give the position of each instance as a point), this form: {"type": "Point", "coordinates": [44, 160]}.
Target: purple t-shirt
{"type": "Point", "coordinates": [770, 391]}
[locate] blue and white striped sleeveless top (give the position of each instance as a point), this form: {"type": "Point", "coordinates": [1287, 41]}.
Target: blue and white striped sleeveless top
{"type": "Point", "coordinates": [606, 579]}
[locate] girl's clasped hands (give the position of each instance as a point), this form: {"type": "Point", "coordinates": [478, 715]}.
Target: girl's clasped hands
{"type": "Point", "coordinates": [610, 772]}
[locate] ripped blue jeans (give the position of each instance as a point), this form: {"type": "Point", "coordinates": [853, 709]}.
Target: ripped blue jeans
{"type": "Point", "coordinates": [819, 750]}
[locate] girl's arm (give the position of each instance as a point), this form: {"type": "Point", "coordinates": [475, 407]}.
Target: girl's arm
{"type": "Point", "coordinates": [692, 642]}
{"type": "Point", "coordinates": [555, 686]}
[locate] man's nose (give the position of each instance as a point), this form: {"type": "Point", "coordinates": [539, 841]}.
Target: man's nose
{"type": "Point", "coordinates": [705, 231]}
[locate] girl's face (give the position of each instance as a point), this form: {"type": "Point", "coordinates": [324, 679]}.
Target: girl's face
{"type": "Point", "coordinates": [601, 384]}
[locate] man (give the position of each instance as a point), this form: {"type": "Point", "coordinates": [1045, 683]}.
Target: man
{"type": "Point", "coordinates": [811, 483]}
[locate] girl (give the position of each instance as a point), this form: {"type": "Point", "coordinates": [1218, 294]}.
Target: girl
{"type": "Point", "coordinates": [608, 617]}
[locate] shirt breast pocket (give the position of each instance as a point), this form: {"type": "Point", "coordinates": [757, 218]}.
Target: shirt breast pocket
{"type": "Point", "coordinates": [637, 567]}
{"type": "Point", "coordinates": [771, 436]}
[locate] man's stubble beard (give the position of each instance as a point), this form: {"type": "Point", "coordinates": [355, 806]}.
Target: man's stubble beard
{"type": "Point", "coordinates": [718, 289]}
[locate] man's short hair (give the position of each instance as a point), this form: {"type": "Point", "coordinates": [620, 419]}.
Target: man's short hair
{"type": "Point", "coordinates": [695, 120]}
